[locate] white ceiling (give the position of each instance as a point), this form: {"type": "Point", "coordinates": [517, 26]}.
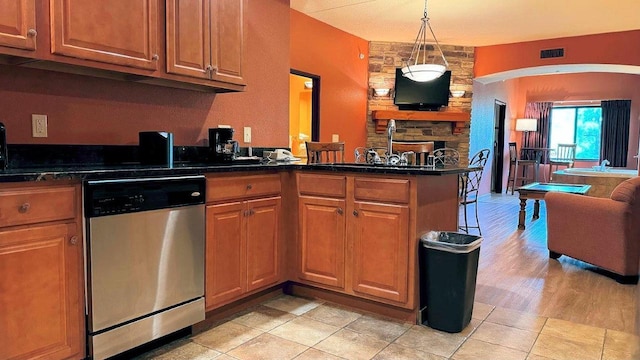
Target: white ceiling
{"type": "Point", "coordinates": [474, 22]}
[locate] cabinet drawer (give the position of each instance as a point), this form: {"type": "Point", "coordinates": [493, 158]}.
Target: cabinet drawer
{"type": "Point", "coordinates": [322, 185]}
{"type": "Point", "coordinates": [225, 188]}
{"type": "Point", "coordinates": [386, 190]}
{"type": "Point", "coordinates": [34, 205]}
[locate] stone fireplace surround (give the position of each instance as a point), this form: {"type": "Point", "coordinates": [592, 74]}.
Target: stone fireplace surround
{"type": "Point", "coordinates": [384, 58]}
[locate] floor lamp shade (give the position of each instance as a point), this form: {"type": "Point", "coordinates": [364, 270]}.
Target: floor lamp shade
{"type": "Point", "coordinates": [526, 124]}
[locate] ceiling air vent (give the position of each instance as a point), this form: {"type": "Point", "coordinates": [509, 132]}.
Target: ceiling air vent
{"type": "Point", "coordinates": [552, 53]}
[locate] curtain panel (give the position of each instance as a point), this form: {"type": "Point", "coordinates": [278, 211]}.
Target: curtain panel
{"type": "Point", "coordinates": [539, 138]}
{"type": "Point", "coordinates": [614, 140]}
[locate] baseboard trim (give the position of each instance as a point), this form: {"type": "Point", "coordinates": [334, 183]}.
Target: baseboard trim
{"type": "Point", "coordinates": [369, 306]}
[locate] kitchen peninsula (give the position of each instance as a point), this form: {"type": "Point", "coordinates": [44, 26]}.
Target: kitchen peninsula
{"type": "Point", "coordinates": [344, 232]}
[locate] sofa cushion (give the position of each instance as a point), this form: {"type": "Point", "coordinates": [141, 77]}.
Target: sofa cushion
{"type": "Point", "coordinates": [627, 191]}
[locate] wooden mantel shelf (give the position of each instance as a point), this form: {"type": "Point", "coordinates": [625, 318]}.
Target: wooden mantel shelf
{"type": "Point", "coordinates": [458, 119]}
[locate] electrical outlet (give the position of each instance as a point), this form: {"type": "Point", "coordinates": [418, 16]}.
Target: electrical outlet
{"type": "Point", "coordinates": [335, 138]}
{"type": "Point", "coordinates": [247, 135]}
{"type": "Point", "coordinates": [39, 125]}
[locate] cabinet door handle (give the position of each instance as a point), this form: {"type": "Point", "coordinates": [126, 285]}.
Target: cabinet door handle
{"type": "Point", "coordinates": [249, 186]}
{"type": "Point", "coordinates": [339, 211]}
{"type": "Point", "coordinates": [209, 68]}
{"type": "Point", "coordinates": [155, 57]}
{"type": "Point", "coordinates": [355, 212]}
{"type": "Point", "coordinates": [73, 240]}
{"type": "Point", "coordinates": [24, 208]}
{"type": "Point", "coordinates": [32, 33]}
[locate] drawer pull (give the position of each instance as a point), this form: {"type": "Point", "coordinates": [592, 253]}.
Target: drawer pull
{"type": "Point", "coordinates": [355, 212]}
{"type": "Point", "coordinates": [339, 211]}
{"type": "Point", "coordinates": [73, 240]}
{"type": "Point", "coordinates": [24, 208]}
{"type": "Point", "coordinates": [249, 187]}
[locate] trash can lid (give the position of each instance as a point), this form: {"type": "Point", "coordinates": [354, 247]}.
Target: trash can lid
{"type": "Point", "coordinates": [451, 241]}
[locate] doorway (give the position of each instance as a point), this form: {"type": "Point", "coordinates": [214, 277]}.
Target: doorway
{"type": "Point", "coordinates": [304, 114]}
{"type": "Point", "coordinates": [497, 169]}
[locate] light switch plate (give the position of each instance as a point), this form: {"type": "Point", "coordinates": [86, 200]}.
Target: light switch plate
{"type": "Point", "coordinates": [39, 125]}
{"type": "Point", "coordinates": [335, 138]}
{"type": "Point", "coordinates": [247, 135]}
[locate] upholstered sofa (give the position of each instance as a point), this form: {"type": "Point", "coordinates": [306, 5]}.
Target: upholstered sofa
{"type": "Point", "coordinates": [603, 232]}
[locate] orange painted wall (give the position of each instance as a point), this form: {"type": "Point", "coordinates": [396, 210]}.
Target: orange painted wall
{"type": "Point", "coordinates": [332, 54]}
{"type": "Point", "coordinates": [87, 110]}
{"type": "Point", "coordinates": [609, 48]}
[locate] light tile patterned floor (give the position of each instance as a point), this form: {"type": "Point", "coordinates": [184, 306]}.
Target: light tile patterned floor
{"type": "Point", "coordinates": [295, 328]}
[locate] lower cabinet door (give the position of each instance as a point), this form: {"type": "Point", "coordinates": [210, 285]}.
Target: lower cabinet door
{"type": "Point", "coordinates": [263, 248]}
{"type": "Point", "coordinates": [41, 298]}
{"type": "Point", "coordinates": [225, 261]}
{"type": "Point", "coordinates": [322, 241]}
{"type": "Point", "coordinates": [380, 250]}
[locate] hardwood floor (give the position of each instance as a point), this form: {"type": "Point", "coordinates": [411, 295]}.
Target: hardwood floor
{"type": "Point", "coordinates": [516, 272]}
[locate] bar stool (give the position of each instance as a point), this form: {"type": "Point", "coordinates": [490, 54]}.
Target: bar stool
{"type": "Point", "coordinates": [420, 150]}
{"type": "Point", "coordinates": [515, 164]}
{"type": "Point", "coordinates": [564, 156]}
{"type": "Point", "coordinates": [469, 186]}
{"type": "Point", "coordinates": [321, 152]}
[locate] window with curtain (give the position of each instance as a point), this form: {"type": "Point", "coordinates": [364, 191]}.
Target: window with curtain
{"type": "Point", "coordinates": [580, 125]}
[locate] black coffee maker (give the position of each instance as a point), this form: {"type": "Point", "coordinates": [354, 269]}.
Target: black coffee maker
{"type": "Point", "coordinates": [222, 147]}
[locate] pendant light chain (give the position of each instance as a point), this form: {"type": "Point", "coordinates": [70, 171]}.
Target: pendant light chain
{"type": "Point", "coordinates": [423, 71]}
{"type": "Point", "coordinates": [446, 63]}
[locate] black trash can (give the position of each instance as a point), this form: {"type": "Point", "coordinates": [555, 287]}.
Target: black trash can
{"type": "Point", "coordinates": [448, 271]}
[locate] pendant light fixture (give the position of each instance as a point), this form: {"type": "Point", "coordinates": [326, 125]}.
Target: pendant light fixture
{"type": "Point", "coordinates": [416, 67]}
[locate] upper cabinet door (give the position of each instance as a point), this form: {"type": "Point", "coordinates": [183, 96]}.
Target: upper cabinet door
{"type": "Point", "coordinates": [228, 40]}
{"type": "Point", "coordinates": [188, 38]}
{"type": "Point", "coordinates": [120, 32]}
{"type": "Point", "coordinates": [18, 24]}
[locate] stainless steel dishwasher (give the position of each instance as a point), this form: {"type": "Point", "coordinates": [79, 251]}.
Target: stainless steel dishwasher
{"type": "Point", "coordinates": [145, 260]}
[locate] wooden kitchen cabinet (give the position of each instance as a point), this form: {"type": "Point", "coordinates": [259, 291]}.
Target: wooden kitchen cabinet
{"type": "Point", "coordinates": [41, 273]}
{"type": "Point", "coordinates": [322, 240]}
{"type": "Point", "coordinates": [18, 24]}
{"type": "Point", "coordinates": [118, 32]}
{"type": "Point", "coordinates": [243, 250]}
{"type": "Point", "coordinates": [353, 236]}
{"type": "Point", "coordinates": [380, 250]}
{"type": "Point", "coordinates": [321, 228]}
{"type": "Point", "coordinates": [206, 39]}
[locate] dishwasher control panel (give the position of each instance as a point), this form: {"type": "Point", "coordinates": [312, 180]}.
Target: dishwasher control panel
{"type": "Point", "coordinates": [121, 196]}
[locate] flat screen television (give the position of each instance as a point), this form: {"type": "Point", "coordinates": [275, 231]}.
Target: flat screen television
{"type": "Point", "coordinates": [423, 96]}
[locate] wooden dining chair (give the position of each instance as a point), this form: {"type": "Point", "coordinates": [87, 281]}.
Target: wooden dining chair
{"type": "Point", "coordinates": [325, 152]}
{"type": "Point", "coordinates": [419, 149]}
{"type": "Point", "coordinates": [565, 155]}
{"type": "Point", "coordinates": [520, 170]}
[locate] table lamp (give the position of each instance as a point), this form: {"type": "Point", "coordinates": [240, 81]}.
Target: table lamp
{"type": "Point", "coordinates": [526, 125]}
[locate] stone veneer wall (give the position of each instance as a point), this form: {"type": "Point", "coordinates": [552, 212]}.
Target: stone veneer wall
{"type": "Point", "coordinates": [384, 58]}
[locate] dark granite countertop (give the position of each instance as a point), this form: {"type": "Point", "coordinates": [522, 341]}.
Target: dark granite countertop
{"type": "Point", "coordinates": [48, 162]}
{"type": "Point", "coordinates": [136, 171]}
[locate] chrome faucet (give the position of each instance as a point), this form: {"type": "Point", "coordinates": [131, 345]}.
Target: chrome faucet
{"type": "Point", "coordinates": [603, 165]}
{"type": "Point", "coordinates": [391, 127]}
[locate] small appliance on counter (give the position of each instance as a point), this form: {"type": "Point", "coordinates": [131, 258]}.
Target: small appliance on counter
{"type": "Point", "coordinates": [156, 148]}
{"type": "Point", "coordinates": [222, 147]}
{"type": "Point", "coordinates": [4, 159]}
